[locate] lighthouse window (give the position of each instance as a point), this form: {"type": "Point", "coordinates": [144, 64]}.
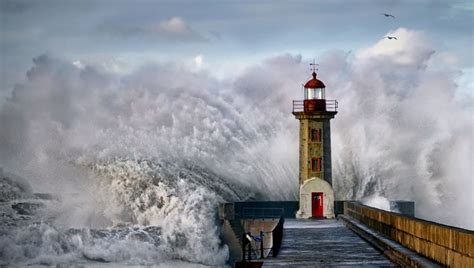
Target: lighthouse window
{"type": "Point", "coordinates": [315, 135]}
{"type": "Point", "coordinates": [316, 164]}
{"type": "Point", "coordinates": [314, 93]}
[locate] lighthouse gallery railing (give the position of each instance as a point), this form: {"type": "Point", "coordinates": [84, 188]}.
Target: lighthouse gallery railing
{"type": "Point", "coordinates": [331, 105]}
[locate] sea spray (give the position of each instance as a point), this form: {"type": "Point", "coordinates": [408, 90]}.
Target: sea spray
{"type": "Point", "coordinates": [401, 133]}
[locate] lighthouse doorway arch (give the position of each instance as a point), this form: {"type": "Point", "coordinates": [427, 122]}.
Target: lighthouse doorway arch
{"type": "Point", "coordinates": [308, 204]}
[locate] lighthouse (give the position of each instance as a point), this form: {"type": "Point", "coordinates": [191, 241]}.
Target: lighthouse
{"type": "Point", "coordinates": [316, 195]}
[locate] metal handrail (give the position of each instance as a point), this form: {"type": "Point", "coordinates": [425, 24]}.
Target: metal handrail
{"type": "Point", "coordinates": [247, 246]}
{"type": "Point", "coordinates": [331, 105]}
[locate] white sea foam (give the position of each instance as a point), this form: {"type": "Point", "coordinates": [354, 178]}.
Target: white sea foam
{"type": "Point", "coordinates": [150, 216]}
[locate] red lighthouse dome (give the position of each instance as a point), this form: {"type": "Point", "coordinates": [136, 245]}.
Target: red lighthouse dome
{"type": "Point", "coordinates": [314, 83]}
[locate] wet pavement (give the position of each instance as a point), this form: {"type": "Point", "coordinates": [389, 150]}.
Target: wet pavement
{"type": "Point", "coordinates": [323, 243]}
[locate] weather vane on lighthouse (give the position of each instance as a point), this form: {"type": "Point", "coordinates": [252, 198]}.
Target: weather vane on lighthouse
{"type": "Point", "coordinates": [313, 66]}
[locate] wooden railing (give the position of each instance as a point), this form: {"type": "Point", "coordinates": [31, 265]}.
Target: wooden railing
{"type": "Point", "coordinates": [447, 245]}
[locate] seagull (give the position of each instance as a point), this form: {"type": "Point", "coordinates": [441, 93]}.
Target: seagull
{"type": "Point", "coordinates": [387, 15]}
{"type": "Point", "coordinates": [391, 37]}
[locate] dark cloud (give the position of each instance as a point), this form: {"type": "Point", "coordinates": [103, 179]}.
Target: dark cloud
{"type": "Point", "coordinates": [15, 6]}
{"type": "Point", "coordinates": [173, 29]}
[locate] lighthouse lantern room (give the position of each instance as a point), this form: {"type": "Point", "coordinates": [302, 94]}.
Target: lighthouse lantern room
{"type": "Point", "coordinates": [315, 176]}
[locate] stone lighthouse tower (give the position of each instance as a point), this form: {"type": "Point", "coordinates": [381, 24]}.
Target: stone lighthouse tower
{"type": "Point", "coordinates": [315, 180]}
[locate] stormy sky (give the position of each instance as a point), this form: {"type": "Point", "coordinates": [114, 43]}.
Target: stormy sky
{"type": "Point", "coordinates": [222, 37]}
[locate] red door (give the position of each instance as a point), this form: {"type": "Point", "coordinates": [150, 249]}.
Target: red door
{"type": "Point", "coordinates": [317, 204]}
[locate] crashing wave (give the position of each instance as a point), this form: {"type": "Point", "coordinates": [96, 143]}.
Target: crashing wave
{"type": "Point", "coordinates": [152, 211]}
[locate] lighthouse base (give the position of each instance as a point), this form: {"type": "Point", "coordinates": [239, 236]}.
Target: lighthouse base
{"type": "Point", "coordinates": [316, 200]}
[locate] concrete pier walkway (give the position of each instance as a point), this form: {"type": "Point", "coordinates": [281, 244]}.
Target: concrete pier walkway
{"type": "Point", "coordinates": [323, 243]}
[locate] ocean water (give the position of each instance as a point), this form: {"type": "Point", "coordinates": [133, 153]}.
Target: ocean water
{"type": "Point", "coordinates": [154, 213]}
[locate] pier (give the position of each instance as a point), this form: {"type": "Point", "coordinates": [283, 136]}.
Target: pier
{"type": "Point", "coordinates": [360, 236]}
{"type": "Point", "coordinates": [322, 243]}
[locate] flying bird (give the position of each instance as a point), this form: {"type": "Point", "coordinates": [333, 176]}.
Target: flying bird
{"type": "Point", "coordinates": [391, 37]}
{"type": "Point", "coordinates": [387, 15]}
